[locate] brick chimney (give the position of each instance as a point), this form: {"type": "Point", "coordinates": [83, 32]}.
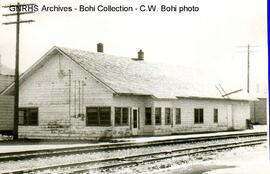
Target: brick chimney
{"type": "Point", "coordinates": [100, 47]}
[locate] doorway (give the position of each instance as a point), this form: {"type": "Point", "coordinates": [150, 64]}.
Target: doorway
{"type": "Point", "coordinates": [135, 121]}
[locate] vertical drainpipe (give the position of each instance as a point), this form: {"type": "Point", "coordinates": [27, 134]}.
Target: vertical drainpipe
{"type": "Point", "coordinates": [69, 95]}
{"type": "Point", "coordinates": [82, 98]}
{"type": "Point", "coordinates": [75, 98]}
{"type": "Point", "coordinates": [79, 96]}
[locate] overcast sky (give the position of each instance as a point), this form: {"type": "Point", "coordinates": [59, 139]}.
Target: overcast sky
{"type": "Point", "coordinates": [207, 39]}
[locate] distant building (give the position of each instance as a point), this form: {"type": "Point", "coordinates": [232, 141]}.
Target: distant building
{"type": "Point", "coordinates": [258, 111]}
{"type": "Point", "coordinates": [75, 94]}
{"type": "Point", "coordinates": [6, 102]}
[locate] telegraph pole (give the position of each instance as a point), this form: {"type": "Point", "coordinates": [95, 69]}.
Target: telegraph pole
{"type": "Point", "coordinates": [248, 64]}
{"type": "Point", "coordinates": [16, 80]}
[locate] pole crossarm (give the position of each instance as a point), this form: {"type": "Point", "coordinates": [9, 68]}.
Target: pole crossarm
{"type": "Point", "coordinates": [21, 13]}
{"type": "Point", "coordinates": [23, 21]}
{"type": "Point", "coordinates": [232, 92]}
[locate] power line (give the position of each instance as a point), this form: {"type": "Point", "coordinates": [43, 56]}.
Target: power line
{"type": "Point", "coordinates": [18, 13]}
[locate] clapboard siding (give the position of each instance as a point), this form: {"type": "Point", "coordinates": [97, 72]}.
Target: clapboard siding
{"type": "Point", "coordinates": [54, 89]}
{"type": "Point", "coordinates": [6, 112]}
{"type": "Point", "coordinates": [239, 114]}
{"type": "Point", "coordinates": [49, 89]}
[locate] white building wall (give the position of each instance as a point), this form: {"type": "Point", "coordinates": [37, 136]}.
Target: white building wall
{"type": "Point", "coordinates": [187, 116]}
{"type": "Point", "coordinates": [241, 112]}
{"type": "Point", "coordinates": [48, 89]}
{"type": "Point", "coordinates": [60, 117]}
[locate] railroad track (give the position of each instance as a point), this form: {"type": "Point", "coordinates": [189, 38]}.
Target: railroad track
{"type": "Point", "coordinates": [115, 146]}
{"type": "Point", "coordinates": [131, 160]}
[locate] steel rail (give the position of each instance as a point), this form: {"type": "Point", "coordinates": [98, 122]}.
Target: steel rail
{"type": "Point", "coordinates": [116, 146]}
{"type": "Point", "coordinates": [134, 159]}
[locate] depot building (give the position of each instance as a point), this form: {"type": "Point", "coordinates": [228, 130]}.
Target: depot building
{"type": "Point", "coordinates": [75, 94]}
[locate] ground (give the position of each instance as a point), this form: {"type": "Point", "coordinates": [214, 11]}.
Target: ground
{"type": "Point", "coordinates": [245, 160]}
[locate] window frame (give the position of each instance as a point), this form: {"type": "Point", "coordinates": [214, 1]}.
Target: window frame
{"type": "Point", "coordinates": [158, 116]}
{"type": "Point", "coordinates": [215, 115]}
{"type": "Point", "coordinates": [178, 120]}
{"type": "Point", "coordinates": [146, 119]}
{"type": "Point", "coordinates": [26, 117]}
{"type": "Point", "coordinates": [200, 116]}
{"type": "Point", "coordinates": [121, 116]}
{"type": "Point", "coordinates": [99, 115]}
{"type": "Point", "coordinates": [168, 116]}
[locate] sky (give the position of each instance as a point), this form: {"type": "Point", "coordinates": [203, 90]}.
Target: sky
{"type": "Point", "coordinates": [208, 40]}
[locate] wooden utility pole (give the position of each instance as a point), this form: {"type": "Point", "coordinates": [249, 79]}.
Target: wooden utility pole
{"type": "Point", "coordinates": [16, 80]}
{"type": "Point", "coordinates": [248, 64]}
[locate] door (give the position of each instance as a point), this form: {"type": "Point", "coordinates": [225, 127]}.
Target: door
{"type": "Point", "coordinates": [135, 121]}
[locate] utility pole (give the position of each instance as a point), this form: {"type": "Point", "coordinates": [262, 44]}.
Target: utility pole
{"type": "Point", "coordinates": [16, 80]}
{"type": "Point", "coordinates": [248, 64]}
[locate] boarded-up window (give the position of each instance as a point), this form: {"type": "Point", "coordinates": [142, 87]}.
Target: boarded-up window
{"type": "Point", "coordinates": [98, 116]}
{"type": "Point", "coordinates": [198, 115]}
{"type": "Point", "coordinates": [167, 116]}
{"type": "Point", "coordinates": [178, 116]}
{"type": "Point", "coordinates": [148, 116]}
{"type": "Point", "coordinates": [121, 116]}
{"type": "Point", "coordinates": [28, 116]}
{"type": "Point", "coordinates": [158, 116]}
{"type": "Point", "coordinates": [215, 115]}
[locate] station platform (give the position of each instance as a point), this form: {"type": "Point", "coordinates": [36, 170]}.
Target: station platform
{"type": "Point", "coordinates": [256, 128]}
{"type": "Point", "coordinates": [29, 145]}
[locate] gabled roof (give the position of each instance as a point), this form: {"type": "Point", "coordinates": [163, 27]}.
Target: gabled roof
{"type": "Point", "coordinates": [124, 76]}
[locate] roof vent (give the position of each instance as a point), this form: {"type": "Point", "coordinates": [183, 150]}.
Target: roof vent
{"type": "Point", "coordinates": [140, 55]}
{"type": "Point", "coordinates": [100, 47]}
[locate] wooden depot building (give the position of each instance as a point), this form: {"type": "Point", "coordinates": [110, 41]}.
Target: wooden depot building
{"type": "Point", "coordinates": [75, 94]}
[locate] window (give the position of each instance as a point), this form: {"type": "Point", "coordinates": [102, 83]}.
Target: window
{"type": "Point", "coordinates": [125, 116]}
{"type": "Point", "coordinates": [117, 116]}
{"type": "Point", "coordinates": [148, 116]}
{"type": "Point", "coordinates": [178, 115]}
{"type": "Point", "coordinates": [28, 116]}
{"type": "Point", "coordinates": [215, 115]}
{"type": "Point", "coordinates": [198, 115]}
{"type": "Point", "coordinates": [98, 116]}
{"type": "Point", "coordinates": [167, 116]}
{"type": "Point", "coordinates": [121, 116]}
{"type": "Point", "coordinates": [158, 116]}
